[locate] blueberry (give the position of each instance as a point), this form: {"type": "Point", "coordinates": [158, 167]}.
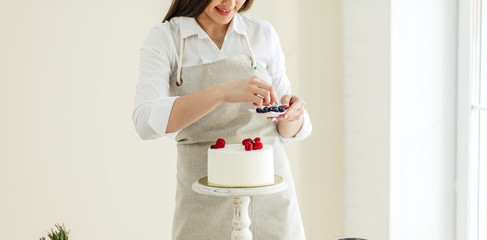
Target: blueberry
{"type": "Point", "coordinates": [265, 109]}
{"type": "Point", "coordinates": [274, 109]}
{"type": "Point", "coordinates": [281, 109]}
{"type": "Point", "coordinates": [259, 110]}
{"type": "Point", "coordinates": [212, 146]}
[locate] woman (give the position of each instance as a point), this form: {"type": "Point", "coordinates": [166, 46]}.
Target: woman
{"type": "Point", "coordinates": [200, 70]}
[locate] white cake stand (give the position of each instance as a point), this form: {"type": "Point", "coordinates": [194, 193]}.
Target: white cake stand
{"type": "Point", "coordinates": [241, 201]}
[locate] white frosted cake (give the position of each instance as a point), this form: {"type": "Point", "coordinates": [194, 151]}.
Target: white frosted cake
{"type": "Point", "coordinates": [232, 166]}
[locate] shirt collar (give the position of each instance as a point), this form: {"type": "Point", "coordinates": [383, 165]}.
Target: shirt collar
{"type": "Point", "coordinates": [190, 27]}
{"type": "Point", "coordinates": [237, 25]}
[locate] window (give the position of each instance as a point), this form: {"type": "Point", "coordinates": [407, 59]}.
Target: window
{"type": "Point", "coordinates": [472, 121]}
{"type": "Point", "coordinates": [479, 127]}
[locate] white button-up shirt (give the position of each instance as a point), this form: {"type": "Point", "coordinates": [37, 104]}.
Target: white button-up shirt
{"type": "Point", "coordinates": [158, 62]}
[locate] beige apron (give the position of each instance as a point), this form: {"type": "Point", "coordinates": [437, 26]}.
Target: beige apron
{"type": "Point", "coordinates": [203, 217]}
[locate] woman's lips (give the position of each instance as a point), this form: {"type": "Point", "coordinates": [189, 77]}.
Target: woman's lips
{"type": "Point", "coordinates": [223, 12]}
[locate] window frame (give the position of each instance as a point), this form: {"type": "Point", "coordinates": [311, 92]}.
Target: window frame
{"type": "Point", "coordinates": [468, 70]}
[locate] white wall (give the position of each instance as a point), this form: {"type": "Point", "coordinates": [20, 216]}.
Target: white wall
{"type": "Point", "coordinates": [68, 150]}
{"type": "Point", "coordinates": [400, 84]}
{"type": "Point", "coordinates": [321, 70]}
{"type": "Point", "coordinates": [367, 103]}
{"type": "Point", "coordinates": [423, 113]}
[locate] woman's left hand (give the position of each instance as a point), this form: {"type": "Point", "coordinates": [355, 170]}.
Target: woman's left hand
{"type": "Point", "coordinates": [294, 106]}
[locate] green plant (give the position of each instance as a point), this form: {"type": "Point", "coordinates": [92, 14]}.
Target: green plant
{"type": "Point", "coordinates": [59, 234]}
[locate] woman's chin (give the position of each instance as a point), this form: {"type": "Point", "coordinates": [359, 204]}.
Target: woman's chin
{"type": "Point", "coordinates": [223, 21]}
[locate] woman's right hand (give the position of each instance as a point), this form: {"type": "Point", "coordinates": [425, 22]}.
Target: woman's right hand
{"type": "Point", "coordinates": [253, 89]}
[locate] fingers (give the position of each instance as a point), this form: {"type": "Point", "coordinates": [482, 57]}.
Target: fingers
{"type": "Point", "coordinates": [257, 101]}
{"type": "Point", "coordinates": [285, 100]}
{"type": "Point", "coordinates": [295, 115]}
{"type": "Point", "coordinates": [268, 88]}
{"type": "Point", "coordinates": [263, 94]}
{"type": "Point", "coordinates": [253, 89]}
{"type": "Point", "coordinates": [294, 105]}
{"type": "Point", "coordinates": [274, 98]}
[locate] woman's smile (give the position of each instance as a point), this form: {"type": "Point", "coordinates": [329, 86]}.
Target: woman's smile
{"type": "Point", "coordinates": [220, 12]}
{"type": "Point", "coordinates": [223, 12]}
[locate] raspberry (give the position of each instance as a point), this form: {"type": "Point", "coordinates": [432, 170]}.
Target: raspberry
{"type": "Point", "coordinates": [246, 140]}
{"type": "Point", "coordinates": [258, 145]}
{"type": "Point", "coordinates": [248, 146]}
{"type": "Point", "coordinates": [220, 143]}
{"type": "Point", "coordinates": [257, 139]}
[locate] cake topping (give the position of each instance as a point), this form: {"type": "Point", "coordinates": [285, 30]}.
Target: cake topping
{"type": "Point", "coordinates": [258, 145]}
{"type": "Point", "coordinates": [220, 143]}
{"type": "Point", "coordinates": [249, 146]}
{"type": "Point", "coordinates": [254, 144]}
{"type": "Point", "coordinates": [246, 140]}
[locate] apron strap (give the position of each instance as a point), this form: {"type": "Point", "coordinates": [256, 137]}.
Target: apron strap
{"type": "Point", "coordinates": [252, 57]}
{"type": "Point", "coordinates": [179, 81]}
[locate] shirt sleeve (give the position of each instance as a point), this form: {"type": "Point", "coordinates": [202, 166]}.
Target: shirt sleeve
{"type": "Point", "coordinates": [153, 104]}
{"type": "Point", "coordinates": [277, 70]}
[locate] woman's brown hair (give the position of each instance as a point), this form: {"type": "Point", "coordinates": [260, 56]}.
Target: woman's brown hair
{"type": "Point", "coordinates": [193, 8]}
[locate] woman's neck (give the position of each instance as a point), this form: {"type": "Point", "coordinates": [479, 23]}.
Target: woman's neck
{"type": "Point", "coordinates": [213, 29]}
